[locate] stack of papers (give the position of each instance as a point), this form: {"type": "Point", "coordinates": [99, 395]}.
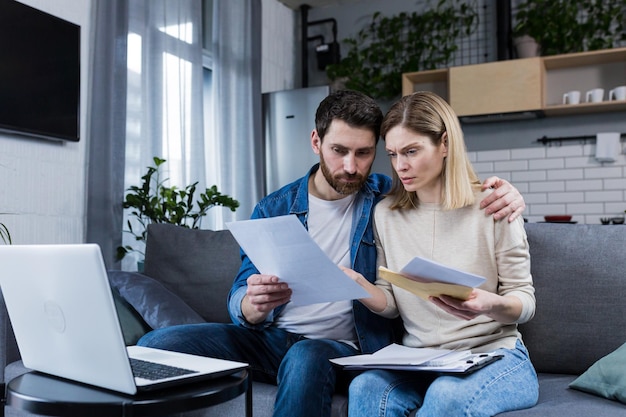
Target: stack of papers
{"type": "Point", "coordinates": [427, 278]}
{"type": "Point", "coordinates": [403, 358]}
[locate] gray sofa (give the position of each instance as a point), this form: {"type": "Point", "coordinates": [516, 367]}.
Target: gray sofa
{"type": "Point", "coordinates": [580, 278]}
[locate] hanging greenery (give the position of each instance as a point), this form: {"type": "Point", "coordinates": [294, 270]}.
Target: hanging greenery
{"type": "Point", "coordinates": [406, 42]}
{"type": "Point", "coordinates": [566, 26]}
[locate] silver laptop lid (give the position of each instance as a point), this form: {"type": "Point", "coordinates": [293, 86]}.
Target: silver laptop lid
{"type": "Point", "coordinates": [63, 314]}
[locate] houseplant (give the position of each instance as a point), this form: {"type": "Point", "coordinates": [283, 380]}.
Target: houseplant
{"type": "Point", "coordinates": [391, 45]}
{"type": "Point", "coordinates": [155, 202]}
{"type": "Point", "coordinates": [566, 26]}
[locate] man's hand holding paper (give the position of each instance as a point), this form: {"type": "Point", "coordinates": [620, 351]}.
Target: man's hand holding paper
{"type": "Point", "coordinates": [282, 247]}
{"type": "Point", "coordinates": [264, 293]}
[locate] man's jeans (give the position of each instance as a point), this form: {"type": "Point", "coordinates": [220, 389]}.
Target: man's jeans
{"type": "Point", "coordinates": [507, 384]}
{"type": "Point", "coordinates": [300, 367]}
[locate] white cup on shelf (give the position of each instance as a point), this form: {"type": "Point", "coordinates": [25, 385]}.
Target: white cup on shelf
{"type": "Point", "coordinates": [571, 97]}
{"type": "Point", "coordinates": [618, 93]}
{"type": "Point", "coordinates": [595, 95]}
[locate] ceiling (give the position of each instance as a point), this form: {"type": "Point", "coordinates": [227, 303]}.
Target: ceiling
{"type": "Point", "coordinates": [295, 4]}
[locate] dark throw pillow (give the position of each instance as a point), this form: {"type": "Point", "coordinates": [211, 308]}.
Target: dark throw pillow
{"type": "Point", "coordinates": [158, 306]}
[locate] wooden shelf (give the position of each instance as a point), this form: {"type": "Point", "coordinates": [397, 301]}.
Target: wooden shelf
{"type": "Point", "coordinates": [529, 84]}
{"type": "Point", "coordinates": [583, 71]}
{"type": "Point", "coordinates": [584, 58]}
{"type": "Point", "coordinates": [583, 108]}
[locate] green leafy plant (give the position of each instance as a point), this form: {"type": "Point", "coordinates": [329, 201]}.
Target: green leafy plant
{"type": "Point", "coordinates": [5, 235]}
{"type": "Point", "coordinates": [154, 202]}
{"type": "Point", "coordinates": [566, 26]}
{"type": "Point", "coordinates": [392, 45]}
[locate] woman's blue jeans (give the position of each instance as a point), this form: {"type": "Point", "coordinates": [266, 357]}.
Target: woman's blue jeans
{"type": "Point", "coordinates": [507, 384]}
{"type": "Point", "coordinates": [300, 367]}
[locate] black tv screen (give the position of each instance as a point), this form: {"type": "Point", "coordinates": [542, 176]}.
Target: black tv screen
{"type": "Point", "coordinates": [39, 73]}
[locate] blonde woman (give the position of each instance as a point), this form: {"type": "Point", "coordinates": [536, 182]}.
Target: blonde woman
{"type": "Point", "coordinates": [433, 211]}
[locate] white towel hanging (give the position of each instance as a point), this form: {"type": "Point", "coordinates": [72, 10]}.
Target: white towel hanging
{"type": "Point", "coordinates": [608, 146]}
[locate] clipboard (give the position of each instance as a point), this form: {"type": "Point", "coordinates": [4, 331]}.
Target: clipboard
{"type": "Point", "coordinates": [403, 358]}
{"type": "Point", "coordinates": [464, 366]}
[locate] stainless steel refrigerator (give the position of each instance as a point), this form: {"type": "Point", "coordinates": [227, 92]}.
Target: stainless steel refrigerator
{"type": "Point", "coordinates": [288, 120]}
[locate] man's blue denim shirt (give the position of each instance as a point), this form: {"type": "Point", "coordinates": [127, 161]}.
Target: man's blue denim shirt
{"type": "Point", "coordinates": [373, 331]}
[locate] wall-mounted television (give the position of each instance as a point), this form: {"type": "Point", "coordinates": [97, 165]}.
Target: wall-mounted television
{"type": "Point", "coordinates": [39, 73]}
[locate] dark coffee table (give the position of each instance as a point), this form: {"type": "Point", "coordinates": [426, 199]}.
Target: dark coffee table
{"type": "Point", "coordinates": [44, 394]}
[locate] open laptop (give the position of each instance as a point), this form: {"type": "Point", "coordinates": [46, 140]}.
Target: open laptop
{"type": "Point", "coordinates": [61, 307]}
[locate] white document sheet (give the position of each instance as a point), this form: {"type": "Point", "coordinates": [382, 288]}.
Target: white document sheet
{"type": "Point", "coordinates": [394, 354]}
{"type": "Point", "coordinates": [281, 246]}
{"type": "Point", "coordinates": [431, 271]}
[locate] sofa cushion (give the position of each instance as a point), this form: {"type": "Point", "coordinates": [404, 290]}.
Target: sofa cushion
{"type": "Point", "coordinates": [157, 305]}
{"type": "Point", "coordinates": [556, 400]}
{"type": "Point", "coordinates": [197, 265]}
{"type": "Point", "coordinates": [579, 281]}
{"type": "Point", "coordinates": [606, 377]}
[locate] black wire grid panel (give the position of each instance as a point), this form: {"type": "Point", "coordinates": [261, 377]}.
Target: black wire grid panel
{"type": "Point", "coordinates": [481, 45]}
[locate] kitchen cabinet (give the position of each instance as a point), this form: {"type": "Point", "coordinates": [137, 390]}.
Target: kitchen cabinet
{"type": "Point", "coordinates": [499, 87]}
{"type": "Point", "coordinates": [526, 86]}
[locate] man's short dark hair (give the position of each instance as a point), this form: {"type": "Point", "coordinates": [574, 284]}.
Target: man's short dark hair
{"type": "Point", "coordinates": [352, 107]}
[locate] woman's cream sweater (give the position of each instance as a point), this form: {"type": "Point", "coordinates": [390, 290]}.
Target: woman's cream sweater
{"type": "Point", "coordinates": [467, 239]}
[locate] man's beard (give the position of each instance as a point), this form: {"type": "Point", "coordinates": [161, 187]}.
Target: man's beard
{"type": "Point", "coordinates": [344, 188]}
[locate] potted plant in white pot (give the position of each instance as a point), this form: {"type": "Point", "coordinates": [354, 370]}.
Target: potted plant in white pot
{"type": "Point", "coordinates": [566, 26]}
{"type": "Point", "coordinates": [528, 30]}
{"type": "Point", "coordinates": [155, 202]}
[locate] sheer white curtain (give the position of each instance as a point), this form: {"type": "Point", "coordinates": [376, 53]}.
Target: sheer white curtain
{"type": "Point", "coordinates": [159, 66]}
{"type": "Point", "coordinates": [107, 127]}
{"type": "Point", "coordinates": [164, 94]}
{"type": "Point", "coordinates": [234, 148]}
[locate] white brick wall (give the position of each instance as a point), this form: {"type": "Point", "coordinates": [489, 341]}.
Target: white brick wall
{"type": "Point", "coordinates": [563, 179]}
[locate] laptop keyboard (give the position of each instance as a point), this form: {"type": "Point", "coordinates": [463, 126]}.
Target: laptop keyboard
{"type": "Point", "coordinates": [154, 371]}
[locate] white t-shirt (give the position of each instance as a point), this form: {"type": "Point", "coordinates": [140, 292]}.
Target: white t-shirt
{"type": "Point", "coordinates": [330, 225]}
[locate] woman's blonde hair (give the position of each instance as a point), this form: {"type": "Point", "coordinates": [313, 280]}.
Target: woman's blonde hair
{"type": "Point", "coordinates": [427, 114]}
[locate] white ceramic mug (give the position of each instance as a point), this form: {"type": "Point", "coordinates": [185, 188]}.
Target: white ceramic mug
{"type": "Point", "coordinates": [618, 93]}
{"type": "Point", "coordinates": [595, 96]}
{"type": "Point", "coordinates": [571, 97]}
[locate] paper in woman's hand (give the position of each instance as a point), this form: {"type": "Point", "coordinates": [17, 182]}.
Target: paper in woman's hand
{"type": "Point", "coordinates": [427, 278]}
